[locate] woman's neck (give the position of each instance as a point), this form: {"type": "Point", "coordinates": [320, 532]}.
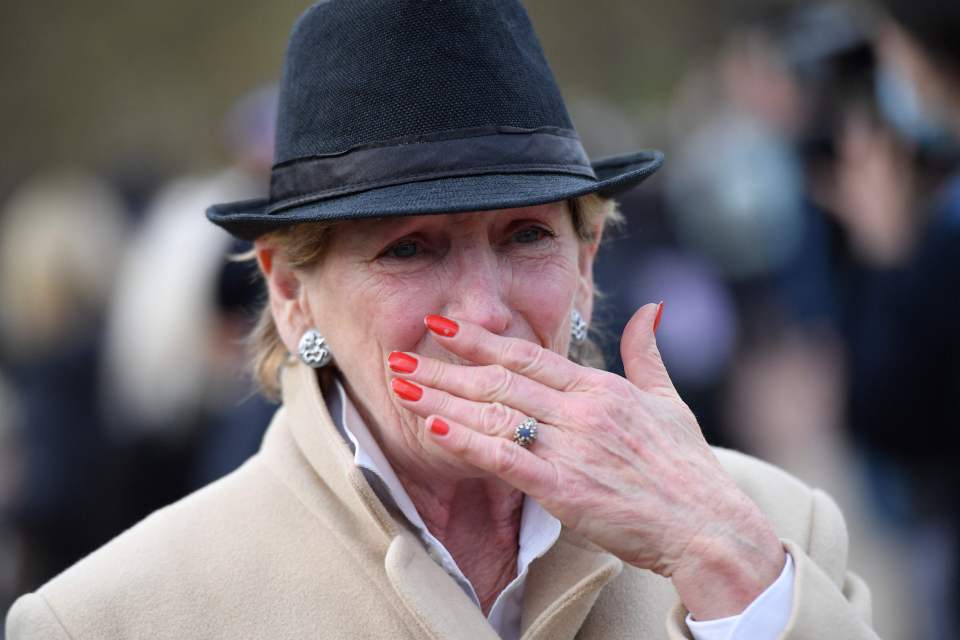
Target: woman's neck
{"type": "Point", "coordinates": [478, 521]}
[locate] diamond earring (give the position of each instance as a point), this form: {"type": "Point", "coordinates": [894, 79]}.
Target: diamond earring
{"type": "Point", "coordinates": [578, 328]}
{"type": "Point", "coordinates": [314, 351]}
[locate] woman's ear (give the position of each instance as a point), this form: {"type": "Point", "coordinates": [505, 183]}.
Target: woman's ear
{"type": "Point", "coordinates": [585, 289]}
{"type": "Point", "coordinates": [288, 302]}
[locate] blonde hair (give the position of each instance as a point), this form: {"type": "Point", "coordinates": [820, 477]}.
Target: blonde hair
{"type": "Point", "coordinates": [304, 244]}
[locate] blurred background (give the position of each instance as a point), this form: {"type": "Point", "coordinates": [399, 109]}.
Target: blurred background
{"type": "Point", "coordinates": [804, 234]}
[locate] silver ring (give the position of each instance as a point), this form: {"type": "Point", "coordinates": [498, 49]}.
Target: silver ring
{"type": "Point", "coordinates": [525, 433]}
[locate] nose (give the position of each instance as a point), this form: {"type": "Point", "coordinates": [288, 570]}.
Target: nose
{"type": "Point", "coordinates": [479, 292]}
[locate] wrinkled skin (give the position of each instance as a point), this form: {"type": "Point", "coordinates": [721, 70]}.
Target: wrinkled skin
{"type": "Point", "coordinates": [620, 460]}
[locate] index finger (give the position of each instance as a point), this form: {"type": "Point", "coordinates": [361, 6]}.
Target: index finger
{"type": "Point", "coordinates": [474, 343]}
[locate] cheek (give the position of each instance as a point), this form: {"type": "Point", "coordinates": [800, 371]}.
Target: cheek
{"type": "Point", "coordinates": [369, 314]}
{"type": "Point", "coordinates": [399, 306]}
{"type": "Point", "coordinates": [543, 295]}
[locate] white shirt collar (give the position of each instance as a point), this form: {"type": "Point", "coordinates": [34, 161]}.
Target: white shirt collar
{"type": "Point", "coordinates": [538, 529]}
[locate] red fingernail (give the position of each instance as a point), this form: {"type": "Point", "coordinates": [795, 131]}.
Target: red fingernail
{"type": "Point", "coordinates": [656, 321]}
{"type": "Point", "coordinates": [439, 427]}
{"type": "Point", "coordinates": [442, 326]}
{"type": "Point", "coordinates": [406, 389]}
{"type": "Point", "coordinates": [401, 362]}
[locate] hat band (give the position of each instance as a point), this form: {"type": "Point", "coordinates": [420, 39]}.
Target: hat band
{"type": "Point", "coordinates": [475, 152]}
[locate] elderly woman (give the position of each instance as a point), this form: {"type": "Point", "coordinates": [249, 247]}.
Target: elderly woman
{"type": "Point", "coordinates": [446, 463]}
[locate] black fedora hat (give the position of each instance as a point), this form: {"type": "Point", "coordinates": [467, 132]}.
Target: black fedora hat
{"type": "Point", "coordinates": [409, 107]}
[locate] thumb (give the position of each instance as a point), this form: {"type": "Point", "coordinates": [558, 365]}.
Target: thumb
{"type": "Point", "coordinates": [641, 357]}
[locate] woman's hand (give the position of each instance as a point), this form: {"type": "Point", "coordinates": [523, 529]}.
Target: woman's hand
{"type": "Point", "coordinates": [622, 461]}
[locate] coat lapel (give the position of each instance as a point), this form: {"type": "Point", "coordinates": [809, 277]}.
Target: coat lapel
{"type": "Point", "coordinates": [319, 441]}
{"type": "Point", "coordinates": [440, 606]}
{"type": "Point", "coordinates": [437, 603]}
{"type": "Point", "coordinates": [563, 586]}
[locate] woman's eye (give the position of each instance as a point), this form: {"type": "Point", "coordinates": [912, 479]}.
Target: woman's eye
{"type": "Point", "coordinates": [403, 249]}
{"type": "Point", "coordinates": [528, 235]}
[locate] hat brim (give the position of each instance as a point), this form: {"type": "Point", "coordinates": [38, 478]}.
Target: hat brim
{"type": "Point", "coordinates": [248, 219]}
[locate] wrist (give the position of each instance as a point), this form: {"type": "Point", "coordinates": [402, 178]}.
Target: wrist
{"type": "Point", "coordinates": [722, 572]}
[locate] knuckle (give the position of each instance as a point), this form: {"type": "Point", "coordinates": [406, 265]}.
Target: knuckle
{"type": "Point", "coordinates": [494, 418]}
{"type": "Point", "coordinates": [495, 381]}
{"type": "Point", "coordinates": [596, 380]}
{"type": "Point", "coordinates": [441, 403]}
{"type": "Point", "coordinates": [461, 445]}
{"type": "Point", "coordinates": [506, 458]}
{"type": "Point", "coordinates": [609, 384]}
{"type": "Point", "coordinates": [596, 413]}
{"type": "Point", "coordinates": [522, 356]}
{"type": "Point", "coordinates": [581, 379]}
{"type": "Point", "coordinates": [435, 373]}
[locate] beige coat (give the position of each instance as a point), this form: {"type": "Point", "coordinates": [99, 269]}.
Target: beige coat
{"type": "Point", "coordinates": [295, 544]}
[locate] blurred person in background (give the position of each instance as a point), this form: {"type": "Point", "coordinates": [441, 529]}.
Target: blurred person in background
{"type": "Point", "coordinates": [54, 286]}
{"type": "Point", "coordinates": [909, 398]}
{"type": "Point", "coordinates": [109, 425]}
{"type": "Point", "coordinates": [426, 165]}
{"type": "Point", "coordinates": [179, 407]}
{"type": "Point", "coordinates": [873, 285]}
{"type": "Point", "coordinates": [718, 222]}
{"type": "Point", "coordinates": [798, 186]}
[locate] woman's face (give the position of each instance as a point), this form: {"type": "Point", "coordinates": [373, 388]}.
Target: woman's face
{"type": "Point", "coordinates": [517, 272]}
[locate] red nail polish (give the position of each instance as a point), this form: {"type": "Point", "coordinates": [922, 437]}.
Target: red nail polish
{"type": "Point", "coordinates": [401, 362]}
{"type": "Point", "coordinates": [656, 321]}
{"type": "Point", "coordinates": [439, 427]}
{"type": "Point", "coordinates": [442, 326]}
{"type": "Point", "coordinates": [406, 389]}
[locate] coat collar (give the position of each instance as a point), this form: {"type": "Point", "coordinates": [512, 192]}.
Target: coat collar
{"type": "Point", "coordinates": [319, 441]}
{"type": "Point", "coordinates": [562, 587]}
